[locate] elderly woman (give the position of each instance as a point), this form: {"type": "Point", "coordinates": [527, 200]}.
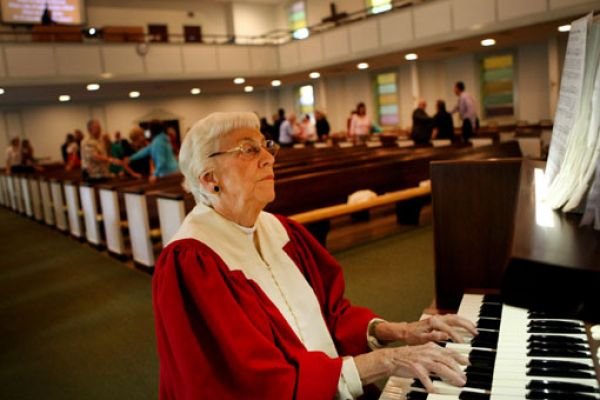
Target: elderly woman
{"type": "Point", "coordinates": [249, 306]}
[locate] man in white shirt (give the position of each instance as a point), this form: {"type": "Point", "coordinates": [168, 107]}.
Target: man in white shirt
{"type": "Point", "coordinates": [467, 110]}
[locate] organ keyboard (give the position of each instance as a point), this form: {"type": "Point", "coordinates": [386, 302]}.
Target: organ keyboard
{"type": "Point", "coordinates": [518, 354]}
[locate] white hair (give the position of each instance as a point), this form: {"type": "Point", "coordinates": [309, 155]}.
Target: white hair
{"type": "Point", "coordinates": [201, 141]}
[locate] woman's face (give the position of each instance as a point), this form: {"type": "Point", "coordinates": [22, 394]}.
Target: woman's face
{"type": "Point", "coordinates": [245, 179]}
{"type": "Point", "coordinates": [361, 110]}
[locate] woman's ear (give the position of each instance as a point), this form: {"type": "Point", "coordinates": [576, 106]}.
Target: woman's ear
{"type": "Point", "coordinates": [209, 182]}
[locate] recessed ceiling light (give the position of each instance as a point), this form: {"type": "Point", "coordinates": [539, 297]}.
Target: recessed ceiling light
{"type": "Point", "coordinates": [362, 65]}
{"type": "Point", "coordinates": [564, 28]}
{"type": "Point", "coordinates": [488, 42]}
{"type": "Point", "coordinates": [276, 82]}
{"type": "Point", "coordinates": [411, 57]}
{"type": "Point", "coordinates": [92, 31]}
{"type": "Point", "coordinates": [92, 87]}
{"type": "Point", "coordinates": [195, 91]}
{"type": "Point", "coordinates": [314, 75]}
{"type": "Point", "coordinates": [249, 89]}
{"type": "Point", "coordinates": [64, 97]}
{"type": "Point", "coordinates": [1, 91]}
{"type": "Point", "coordinates": [134, 94]}
{"type": "Point", "coordinates": [239, 81]}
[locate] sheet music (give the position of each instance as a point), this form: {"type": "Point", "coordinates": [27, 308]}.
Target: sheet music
{"type": "Point", "coordinates": [570, 93]}
{"type": "Point", "coordinates": [591, 216]}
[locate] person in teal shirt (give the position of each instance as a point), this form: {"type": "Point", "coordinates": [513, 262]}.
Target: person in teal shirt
{"type": "Point", "coordinates": [160, 151]}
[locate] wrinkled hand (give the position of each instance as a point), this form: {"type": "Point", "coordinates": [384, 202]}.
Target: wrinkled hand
{"type": "Point", "coordinates": [438, 328]}
{"type": "Point", "coordinates": [429, 359]}
{"type": "Point", "coordinates": [434, 329]}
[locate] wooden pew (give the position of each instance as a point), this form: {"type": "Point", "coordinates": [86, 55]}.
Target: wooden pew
{"type": "Point", "coordinates": [318, 221]}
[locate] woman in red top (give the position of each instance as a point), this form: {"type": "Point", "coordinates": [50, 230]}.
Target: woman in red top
{"type": "Point", "coordinates": [249, 306]}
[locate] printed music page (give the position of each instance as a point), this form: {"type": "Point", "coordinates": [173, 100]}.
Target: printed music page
{"type": "Point", "coordinates": [569, 96]}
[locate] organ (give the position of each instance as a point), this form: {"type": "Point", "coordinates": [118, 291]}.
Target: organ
{"type": "Point", "coordinates": [494, 232]}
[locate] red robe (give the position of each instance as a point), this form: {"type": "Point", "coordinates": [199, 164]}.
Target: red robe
{"type": "Point", "coordinates": [220, 337]}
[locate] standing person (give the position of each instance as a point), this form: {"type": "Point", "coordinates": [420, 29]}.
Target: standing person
{"type": "Point", "coordinates": [70, 138]}
{"type": "Point", "coordinates": [73, 160]}
{"type": "Point", "coordinates": [267, 129]}
{"type": "Point", "coordinates": [308, 132]}
{"type": "Point", "coordinates": [248, 305]}
{"type": "Point", "coordinates": [27, 158]}
{"type": "Point", "coordinates": [141, 166]}
{"type": "Point", "coordinates": [13, 157]}
{"type": "Point", "coordinates": [289, 131]}
{"type": "Point", "coordinates": [278, 119]}
{"type": "Point", "coordinates": [467, 110]}
{"type": "Point", "coordinates": [160, 151]}
{"type": "Point", "coordinates": [322, 125]}
{"type": "Point", "coordinates": [95, 161]}
{"type": "Point", "coordinates": [443, 126]}
{"type": "Point", "coordinates": [79, 139]}
{"type": "Point", "coordinates": [422, 124]}
{"type": "Point", "coordinates": [360, 124]}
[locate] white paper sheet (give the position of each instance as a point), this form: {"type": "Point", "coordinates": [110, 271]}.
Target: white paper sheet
{"type": "Point", "coordinates": [570, 93]}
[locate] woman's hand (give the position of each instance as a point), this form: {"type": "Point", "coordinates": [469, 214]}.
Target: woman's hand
{"type": "Point", "coordinates": [413, 362]}
{"type": "Point", "coordinates": [434, 329]}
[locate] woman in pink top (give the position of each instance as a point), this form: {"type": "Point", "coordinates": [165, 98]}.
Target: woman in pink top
{"type": "Point", "coordinates": [360, 125]}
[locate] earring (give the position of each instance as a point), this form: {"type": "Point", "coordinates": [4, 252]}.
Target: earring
{"type": "Point", "coordinates": [217, 189]}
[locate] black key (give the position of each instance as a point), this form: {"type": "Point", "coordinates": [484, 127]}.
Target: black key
{"type": "Point", "coordinates": [480, 369]}
{"type": "Point", "coordinates": [492, 298]}
{"type": "Point", "coordinates": [558, 364]}
{"type": "Point", "coordinates": [556, 338]}
{"type": "Point", "coordinates": [560, 386]}
{"type": "Point", "coordinates": [543, 329]}
{"type": "Point", "coordinates": [487, 323]}
{"type": "Point", "coordinates": [416, 396]}
{"type": "Point", "coordinates": [548, 395]}
{"type": "Point", "coordinates": [558, 346]}
{"type": "Point", "coordinates": [490, 310]}
{"type": "Point", "coordinates": [554, 324]}
{"type": "Point", "coordinates": [482, 355]}
{"type": "Point", "coordinates": [561, 373]}
{"type": "Point", "coordinates": [466, 395]}
{"type": "Point", "coordinates": [546, 314]}
{"type": "Point", "coordinates": [479, 383]}
{"type": "Point", "coordinates": [558, 353]}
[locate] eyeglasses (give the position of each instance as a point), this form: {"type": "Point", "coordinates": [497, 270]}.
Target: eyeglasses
{"type": "Point", "coordinates": [249, 149]}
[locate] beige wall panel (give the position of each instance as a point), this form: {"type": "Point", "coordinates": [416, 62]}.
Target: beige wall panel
{"type": "Point", "coordinates": [264, 58]}
{"type": "Point", "coordinates": [311, 50]}
{"type": "Point", "coordinates": [364, 35]}
{"type": "Point", "coordinates": [30, 61]}
{"type": "Point", "coordinates": [2, 69]}
{"type": "Point", "coordinates": [78, 60]}
{"type": "Point", "coordinates": [508, 9]}
{"type": "Point", "coordinates": [432, 19]}
{"type": "Point", "coordinates": [199, 58]}
{"type": "Point", "coordinates": [122, 60]}
{"type": "Point", "coordinates": [566, 3]}
{"type": "Point", "coordinates": [532, 88]}
{"type": "Point", "coordinates": [233, 58]}
{"type": "Point", "coordinates": [164, 59]}
{"type": "Point", "coordinates": [289, 55]}
{"type": "Point", "coordinates": [335, 43]}
{"type": "Point", "coordinates": [395, 28]}
{"type": "Point", "coordinates": [468, 14]}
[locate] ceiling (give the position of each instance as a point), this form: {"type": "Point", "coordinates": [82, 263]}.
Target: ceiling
{"type": "Point", "coordinates": [110, 91]}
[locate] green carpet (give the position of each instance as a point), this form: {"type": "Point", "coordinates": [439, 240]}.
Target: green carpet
{"type": "Point", "coordinates": [394, 276]}
{"type": "Point", "coordinates": [77, 324]}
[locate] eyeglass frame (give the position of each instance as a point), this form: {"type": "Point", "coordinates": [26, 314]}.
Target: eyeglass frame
{"type": "Point", "coordinates": [268, 145]}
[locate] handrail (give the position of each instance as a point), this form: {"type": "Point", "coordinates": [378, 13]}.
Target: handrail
{"type": "Point", "coordinates": [345, 209]}
{"type": "Point", "coordinates": [273, 37]}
